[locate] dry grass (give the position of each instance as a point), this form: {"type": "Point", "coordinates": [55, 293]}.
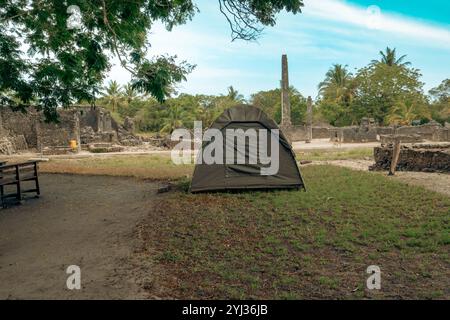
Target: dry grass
{"type": "Point", "coordinates": [335, 154]}
{"type": "Point", "coordinates": [155, 167]}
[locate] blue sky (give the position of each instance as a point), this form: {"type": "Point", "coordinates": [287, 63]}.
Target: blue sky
{"type": "Point", "coordinates": [327, 32]}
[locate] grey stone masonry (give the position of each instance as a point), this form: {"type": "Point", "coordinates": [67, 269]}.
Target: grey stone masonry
{"type": "Point", "coordinates": [285, 102]}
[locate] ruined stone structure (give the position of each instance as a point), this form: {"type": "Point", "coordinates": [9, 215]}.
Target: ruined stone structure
{"type": "Point", "coordinates": [86, 125]}
{"type": "Point", "coordinates": [285, 102]}
{"type": "Point", "coordinates": [414, 157]}
{"type": "Point", "coordinates": [369, 131]}
{"type": "Point", "coordinates": [309, 120]}
{"type": "Point", "coordinates": [301, 132]}
{"type": "Point", "coordinates": [366, 132]}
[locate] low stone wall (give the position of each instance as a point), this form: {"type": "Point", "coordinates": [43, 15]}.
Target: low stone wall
{"type": "Point", "coordinates": [295, 133]}
{"type": "Point", "coordinates": [431, 131]}
{"type": "Point", "coordinates": [320, 132]}
{"type": "Point", "coordinates": [299, 133]}
{"type": "Point", "coordinates": [427, 158]}
{"type": "Point", "coordinates": [354, 134]}
{"type": "Point", "coordinates": [369, 131]}
{"type": "Point", "coordinates": [390, 138]}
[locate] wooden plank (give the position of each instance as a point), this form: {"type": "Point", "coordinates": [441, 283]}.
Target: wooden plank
{"type": "Point", "coordinates": [395, 156]}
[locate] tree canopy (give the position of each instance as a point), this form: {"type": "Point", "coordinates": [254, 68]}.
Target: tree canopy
{"type": "Point", "coordinates": [66, 63]}
{"type": "Point", "coordinates": [379, 87]}
{"type": "Point", "coordinates": [440, 107]}
{"type": "Point", "coordinates": [388, 90]}
{"type": "Point", "coordinates": [270, 102]}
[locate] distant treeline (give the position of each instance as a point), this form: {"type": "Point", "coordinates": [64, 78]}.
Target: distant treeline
{"type": "Point", "coordinates": [388, 90]}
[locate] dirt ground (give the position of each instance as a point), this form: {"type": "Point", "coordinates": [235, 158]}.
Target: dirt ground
{"type": "Point", "coordinates": [79, 220]}
{"type": "Point", "coordinates": [439, 182]}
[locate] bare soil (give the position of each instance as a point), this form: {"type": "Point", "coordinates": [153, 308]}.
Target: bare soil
{"type": "Point", "coordinates": [87, 221]}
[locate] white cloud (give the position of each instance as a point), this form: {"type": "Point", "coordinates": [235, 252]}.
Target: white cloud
{"type": "Point", "coordinates": [328, 31]}
{"type": "Point", "coordinates": [337, 10]}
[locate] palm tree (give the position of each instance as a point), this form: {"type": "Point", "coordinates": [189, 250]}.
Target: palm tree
{"type": "Point", "coordinates": [206, 115]}
{"type": "Point", "coordinates": [390, 58]}
{"type": "Point", "coordinates": [404, 113]}
{"type": "Point", "coordinates": [173, 120]}
{"type": "Point", "coordinates": [113, 94]}
{"type": "Point", "coordinates": [129, 93]}
{"type": "Point", "coordinates": [234, 95]}
{"type": "Point", "coordinates": [338, 84]}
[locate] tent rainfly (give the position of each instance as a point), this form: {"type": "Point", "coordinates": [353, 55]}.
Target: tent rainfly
{"type": "Point", "coordinates": [235, 176]}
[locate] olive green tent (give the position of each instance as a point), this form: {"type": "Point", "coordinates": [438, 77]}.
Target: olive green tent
{"type": "Point", "coordinates": [233, 176]}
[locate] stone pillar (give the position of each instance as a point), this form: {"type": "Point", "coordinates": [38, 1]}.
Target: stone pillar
{"type": "Point", "coordinates": [309, 120]}
{"type": "Point", "coordinates": [77, 130]}
{"type": "Point", "coordinates": [285, 103]}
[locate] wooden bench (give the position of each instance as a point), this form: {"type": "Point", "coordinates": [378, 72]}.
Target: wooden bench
{"type": "Point", "coordinates": [16, 175]}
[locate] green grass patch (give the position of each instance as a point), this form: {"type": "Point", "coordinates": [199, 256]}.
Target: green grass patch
{"type": "Point", "coordinates": [295, 244]}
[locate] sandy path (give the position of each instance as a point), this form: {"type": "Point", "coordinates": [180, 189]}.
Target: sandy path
{"type": "Point", "coordinates": [82, 220]}
{"type": "Point", "coordinates": [316, 144]}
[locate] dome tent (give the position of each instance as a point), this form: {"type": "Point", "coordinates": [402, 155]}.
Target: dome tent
{"type": "Point", "coordinates": [223, 176]}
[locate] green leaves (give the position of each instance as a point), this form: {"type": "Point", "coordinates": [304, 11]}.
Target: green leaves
{"type": "Point", "coordinates": [440, 106]}
{"type": "Point", "coordinates": [380, 87]}
{"type": "Point", "coordinates": [69, 64]}
{"type": "Point", "coordinates": [270, 103]}
{"type": "Point", "coordinates": [158, 77]}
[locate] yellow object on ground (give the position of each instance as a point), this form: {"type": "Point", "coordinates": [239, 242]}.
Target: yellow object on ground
{"type": "Point", "coordinates": [73, 144]}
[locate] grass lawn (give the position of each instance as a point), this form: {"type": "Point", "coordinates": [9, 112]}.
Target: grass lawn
{"type": "Point", "coordinates": [155, 167]}
{"type": "Point", "coordinates": [292, 244]}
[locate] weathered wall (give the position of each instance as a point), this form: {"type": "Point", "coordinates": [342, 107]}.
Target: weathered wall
{"type": "Point", "coordinates": [354, 134]}
{"type": "Point", "coordinates": [86, 125]}
{"type": "Point", "coordinates": [432, 131]}
{"type": "Point", "coordinates": [60, 134]}
{"type": "Point", "coordinates": [295, 133]}
{"type": "Point", "coordinates": [299, 133]}
{"type": "Point", "coordinates": [428, 158]}
{"type": "Point", "coordinates": [320, 132]}
{"type": "Point", "coordinates": [390, 138]}
{"type": "Point", "coordinates": [14, 124]}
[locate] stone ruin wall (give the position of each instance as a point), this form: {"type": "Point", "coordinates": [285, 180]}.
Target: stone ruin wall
{"type": "Point", "coordinates": [299, 133]}
{"type": "Point", "coordinates": [370, 132]}
{"type": "Point", "coordinates": [426, 158]}
{"type": "Point", "coordinates": [28, 131]}
{"type": "Point", "coordinates": [17, 131]}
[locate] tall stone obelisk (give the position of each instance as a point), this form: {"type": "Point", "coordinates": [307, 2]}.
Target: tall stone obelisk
{"type": "Point", "coordinates": [285, 102]}
{"type": "Point", "coordinates": [309, 119]}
